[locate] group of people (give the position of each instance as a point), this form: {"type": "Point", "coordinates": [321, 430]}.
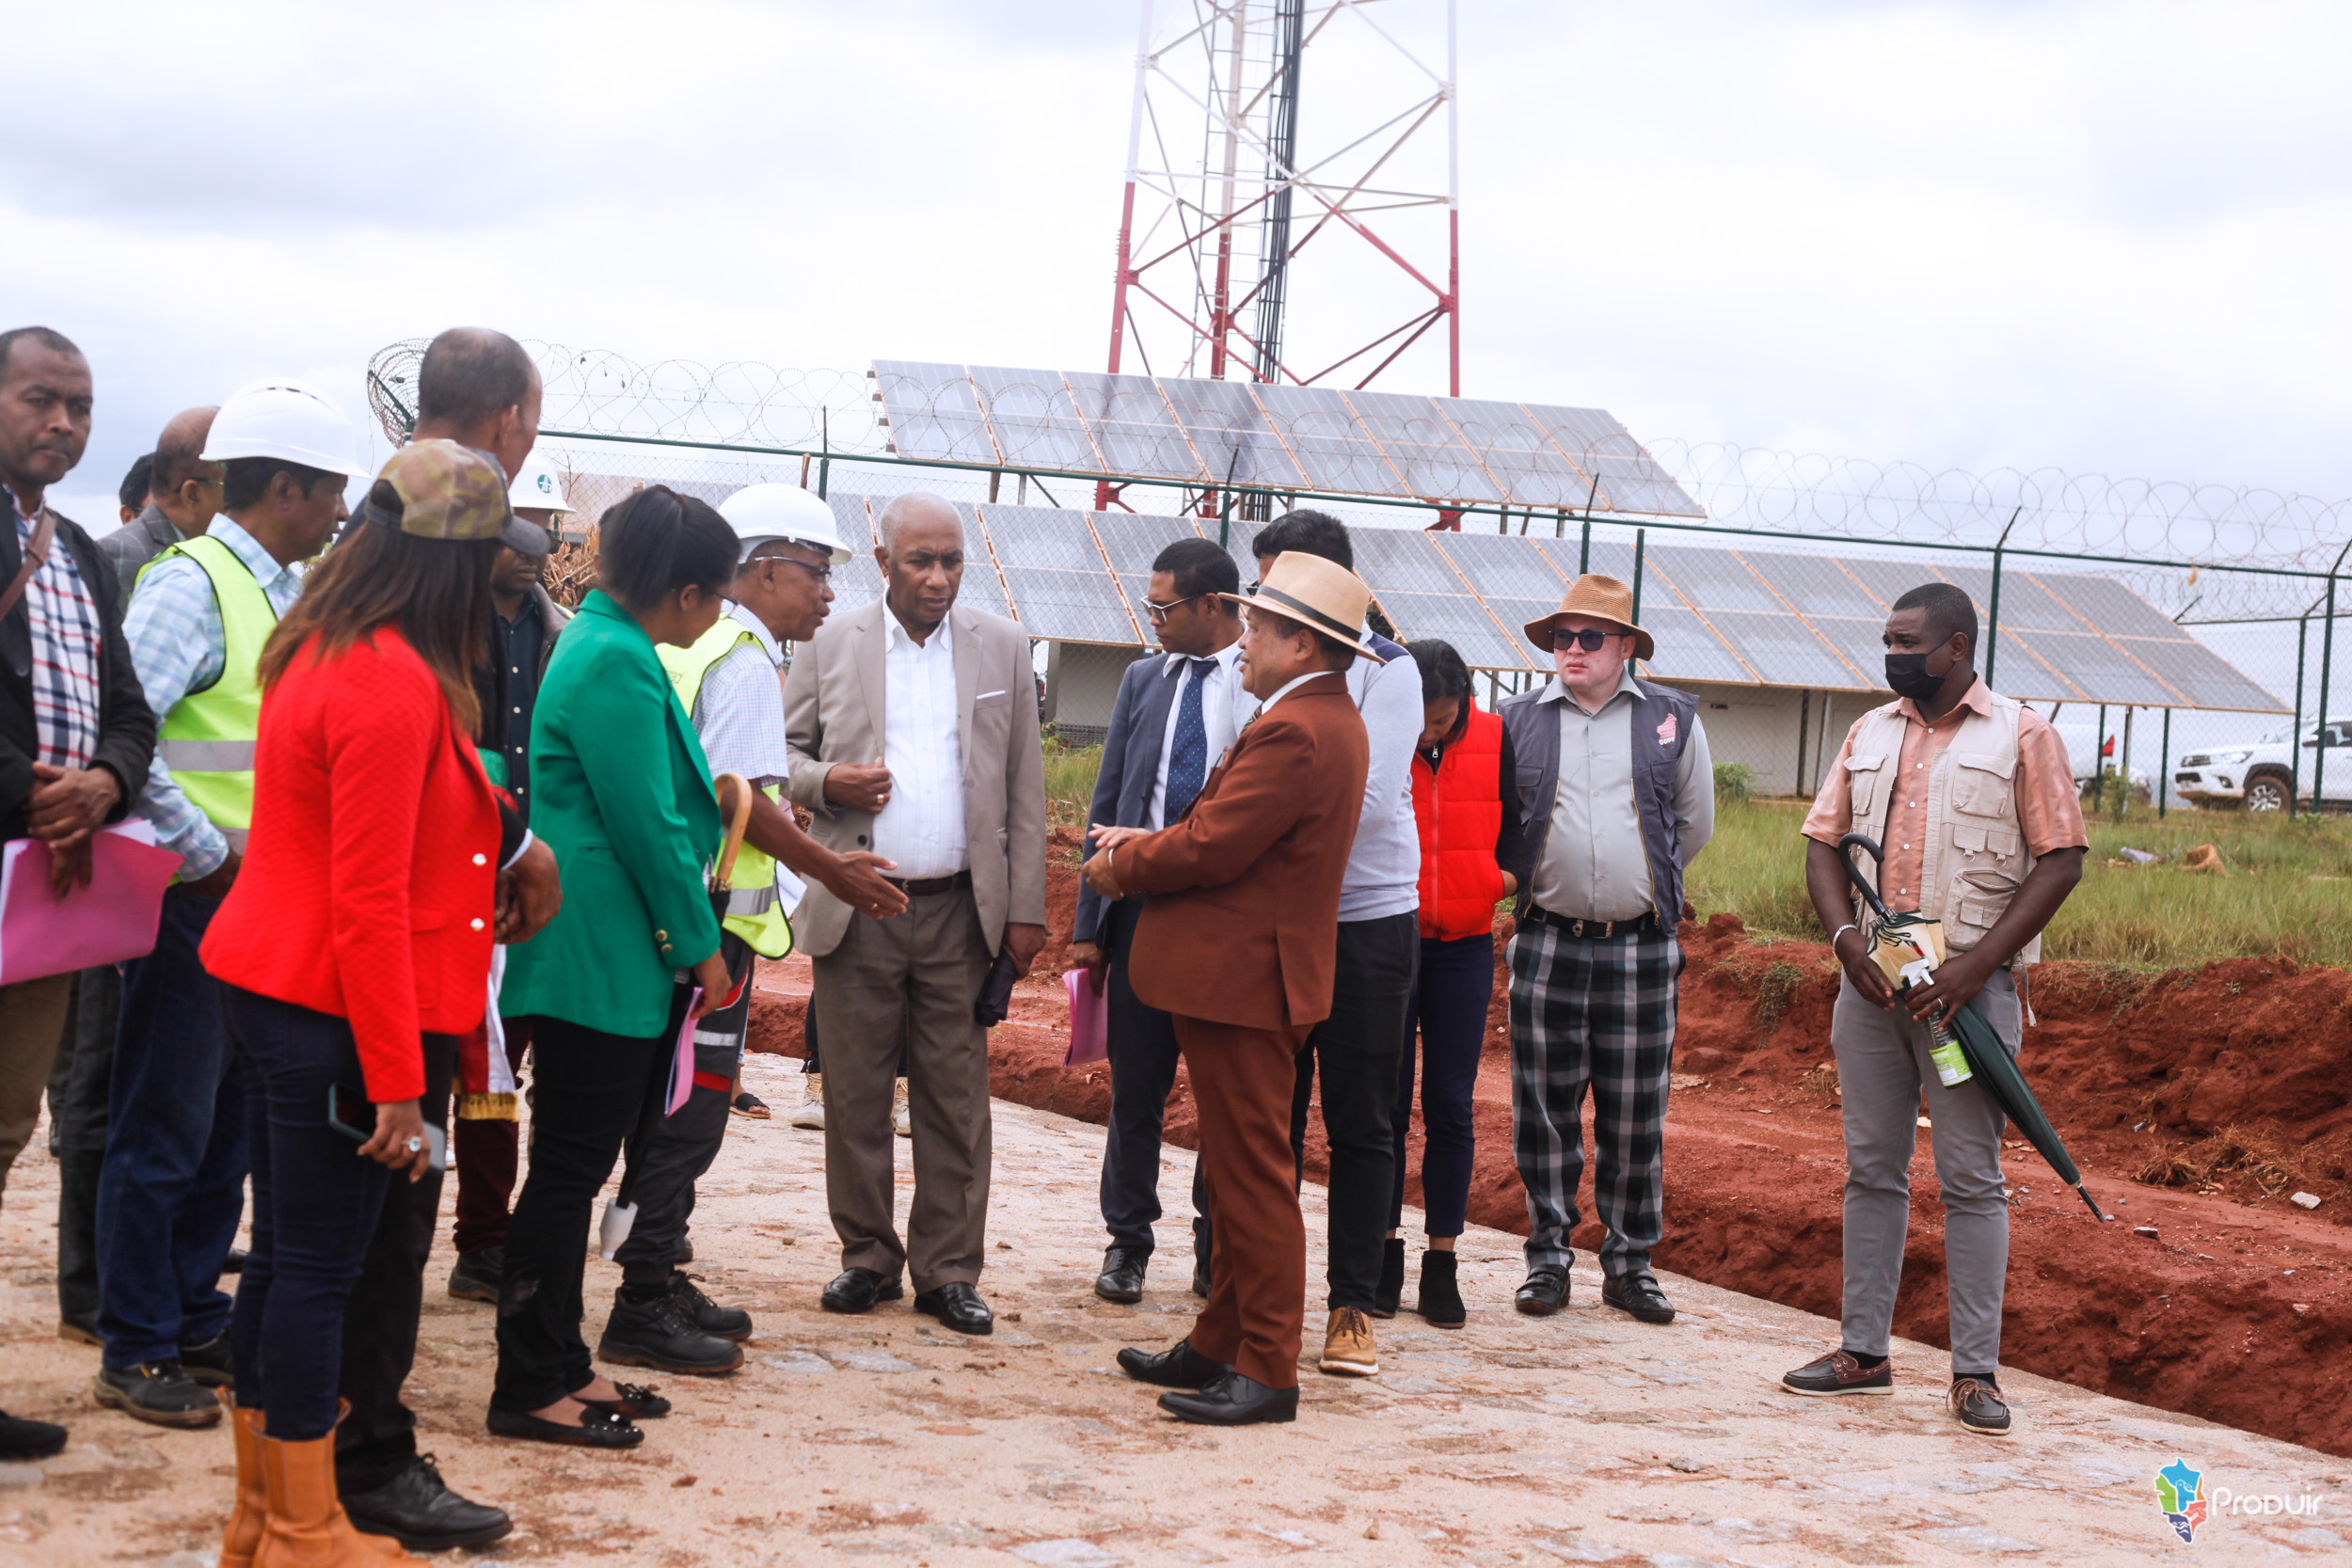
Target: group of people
{"type": "Point", "coordinates": [430, 822]}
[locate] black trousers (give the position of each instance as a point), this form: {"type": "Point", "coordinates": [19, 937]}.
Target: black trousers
{"type": "Point", "coordinates": [589, 1090]}
{"type": "Point", "coordinates": [378, 1439]}
{"type": "Point", "coordinates": [78, 1087]}
{"type": "Point", "coordinates": [668, 1154]}
{"type": "Point", "coordinates": [1143, 1071]}
{"type": "Point", "coordinates": [1358, 1049]}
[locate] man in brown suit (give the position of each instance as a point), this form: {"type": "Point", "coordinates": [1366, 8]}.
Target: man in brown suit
{"type": "Point", "coordinates": [913, 730]}
{"type": "Point", "coordinates": [1238, 942]}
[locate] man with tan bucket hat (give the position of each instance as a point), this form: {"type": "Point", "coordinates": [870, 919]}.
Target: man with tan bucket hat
{"type": "Point", "coordinates": [1616, 799]}
{"type": "Point", "coordinates": [1239, 940]}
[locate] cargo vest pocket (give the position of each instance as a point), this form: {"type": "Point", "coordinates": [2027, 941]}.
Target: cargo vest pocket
{"type": "Point", "coordinates": [1863, 774]}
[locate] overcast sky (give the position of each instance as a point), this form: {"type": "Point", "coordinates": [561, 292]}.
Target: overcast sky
{"type": "Point", "coordinates": [2107, 237]}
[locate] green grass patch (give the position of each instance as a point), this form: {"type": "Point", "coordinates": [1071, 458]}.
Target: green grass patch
{"type": "Point", "coordinates": [1070, 773]}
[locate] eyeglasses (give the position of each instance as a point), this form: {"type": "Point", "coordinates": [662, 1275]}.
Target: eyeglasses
{"type": "Point", "coordinates": [822, 574]}
{"type": "Point", "coordinates": [1591, 641]}
{"type": "Point", "coordinates": [1159, 612]}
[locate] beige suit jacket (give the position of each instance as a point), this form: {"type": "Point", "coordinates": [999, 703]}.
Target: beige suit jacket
{"type": "Point", "coordinates": [832, 709]}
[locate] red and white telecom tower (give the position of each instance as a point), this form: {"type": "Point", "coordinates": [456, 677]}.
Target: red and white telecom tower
{"type": "Point", "coordinates": [1229, 207]}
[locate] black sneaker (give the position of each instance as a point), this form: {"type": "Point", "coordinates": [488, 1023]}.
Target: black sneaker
{"type": "Point", "coordinates": [1979, 1406]}
{"type": "Point", "coordinates": [1838, 1373]}
{"type": "Point", "coordinates": [478, 1275]}
{"type": "Point", "coordinates": [21, 1439]}
{"type": "Point", "coordinates": [1390, 1289]}
{"type": "Point", "coordinates": [207, 1363]}
{"type": "Point", "coordinates": [158, 1393]}
{"type": "Point", "coordinates": [416, 1508]}
{"type": "Point", "coordinates": [720, 1322]}
{"type": "Point", "coordinates": [659, 1334]}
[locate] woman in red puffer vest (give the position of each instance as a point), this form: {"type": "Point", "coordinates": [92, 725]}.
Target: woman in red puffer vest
{"type": "Point", "coordinates": [1462, 778]}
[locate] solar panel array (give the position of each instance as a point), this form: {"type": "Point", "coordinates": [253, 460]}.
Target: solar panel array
{"type": "Point", "coordinates": [1266, 437]}
{"type": "Point", "coordinates": [1736, 616]}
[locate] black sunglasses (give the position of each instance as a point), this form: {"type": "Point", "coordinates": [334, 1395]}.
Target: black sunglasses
{"type": "Point", "coordinates": [1591, 641]}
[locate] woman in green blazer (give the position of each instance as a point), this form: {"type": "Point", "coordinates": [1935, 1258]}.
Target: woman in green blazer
{"type": "Point", "coordinates": [622, 794]}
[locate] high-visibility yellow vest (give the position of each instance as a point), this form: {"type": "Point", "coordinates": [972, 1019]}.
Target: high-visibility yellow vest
{"type": "Point", "coordinates": [207, 739]}
{"type": "Point", "coordinates": [753, 911]}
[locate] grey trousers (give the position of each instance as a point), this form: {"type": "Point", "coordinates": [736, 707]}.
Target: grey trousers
{"type": "Point", "coordinates": [923, 967]}
{"type": "Point", "coordinates": [1882, 1067]}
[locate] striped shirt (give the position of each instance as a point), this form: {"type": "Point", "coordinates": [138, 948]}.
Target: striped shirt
{"type": "Point", "coordinates": [63, 616]}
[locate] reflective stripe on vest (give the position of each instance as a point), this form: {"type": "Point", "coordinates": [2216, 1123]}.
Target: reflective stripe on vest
{"type": "Point", "coordinates": [754, 911]}
{"type": "Point", "coordinates": [207, 739]}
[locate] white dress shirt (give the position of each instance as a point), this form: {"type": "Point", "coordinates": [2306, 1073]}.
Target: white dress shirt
{"type": "Point", "coordinates": [1220, 692]}
{"type": "Point", "coordinates": [922, 828]}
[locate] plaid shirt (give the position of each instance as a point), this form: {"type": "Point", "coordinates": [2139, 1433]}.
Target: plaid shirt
{"type": "Point", "coordinates": [63, 615]}
{"type": "Point", "coordinates": [178, 645]}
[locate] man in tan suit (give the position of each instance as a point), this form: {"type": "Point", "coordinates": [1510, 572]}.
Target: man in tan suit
{"type": "Point", "coordinates": [1239, 940]}
{"type": "Point", "coordinates": [913, 727]}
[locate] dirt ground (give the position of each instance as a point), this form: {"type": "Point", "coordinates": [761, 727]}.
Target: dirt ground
{"type": "Point", "coordinates": [1585, 1438]}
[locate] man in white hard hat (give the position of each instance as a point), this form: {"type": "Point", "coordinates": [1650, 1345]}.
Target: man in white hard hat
{"type": "Point", "coordinates": [730, 682]}
{"type": "Point", "coordinates": [172, 1186]}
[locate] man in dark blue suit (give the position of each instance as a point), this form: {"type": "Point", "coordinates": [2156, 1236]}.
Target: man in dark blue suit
{"type": "Point", "coordinates": [1177, 711]}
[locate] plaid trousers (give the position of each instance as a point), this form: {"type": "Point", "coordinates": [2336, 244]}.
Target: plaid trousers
{"type": "Point", "coordinates": [1595, 1012]}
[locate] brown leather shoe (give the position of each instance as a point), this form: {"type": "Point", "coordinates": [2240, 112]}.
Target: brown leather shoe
{"type": "Point", "coordinates": [244, 1533]}
{"type": "Point", "coordinates": [1347, 1347]}
{"type": "Point", "coordinates": [306, 1523]}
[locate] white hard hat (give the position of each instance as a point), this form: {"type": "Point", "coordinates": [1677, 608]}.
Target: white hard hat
{"type": "Point", "coordinates": [762, 512]}
{"type": "Point", "coordinates": [537, 486]}
{"type": "Point", "coordinates": [280, 416]}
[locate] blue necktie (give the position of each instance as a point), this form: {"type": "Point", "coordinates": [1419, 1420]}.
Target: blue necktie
{"type": "Point", "coordinates": [1188, 758]}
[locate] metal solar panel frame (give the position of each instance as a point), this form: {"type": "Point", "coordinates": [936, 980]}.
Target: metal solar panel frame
{"type": "Point", "coordinates": [933, 412]}
{"type": "Point", "coordinates": [1432, 460]}
{"type": "Point", "coordinates": [1061, 581]}
{"type": "Point", "coordinates": [1512, 451]}
{"type": "Point", "coordinates": [1231, 436]}
{"type": "Point", "coordinates": [983, 586]}
{"type": "Point", "coordinates": [1034, 419]}
{"type": "Point", "coordinates": [1322, 436]}
{"type": "Point", "coordinates": [1630, 480]}
{"type": "Point", "coordinates": [1130, 541]}
{"type": "Point", "coordinates": [1133, 429]}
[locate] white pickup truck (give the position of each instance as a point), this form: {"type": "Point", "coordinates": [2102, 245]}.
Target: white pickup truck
{"type": "Point", "coordinates": [2257, 774]}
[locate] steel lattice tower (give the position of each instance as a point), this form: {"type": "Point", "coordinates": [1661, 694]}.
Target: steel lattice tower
{"type": "Point", "coordinates": [1224, 194]}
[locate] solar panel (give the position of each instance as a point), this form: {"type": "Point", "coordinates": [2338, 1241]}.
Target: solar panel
{"type": "Point", "coordinates": [1630, 479]}
{"type": "Point", "coordinates": [1403, 558]}
{"type": "Point", "coordinates": [933, 415]}
{"type": "Point", "coordinates": [1427, 451]}
{"type": "Point", "coordinates": [1033, 419]}
{"type": "Point", "coordinates": [1499, 564]}
{"type": "Point", "coordinates": [1133, 542]}
{"type": "Point", "coordinates": [1133, 429]}
{"type": "Point", "coordinates": [1782, 650]}
{"type": "Point", "coordinates": [1060, 583]}
{"type": "Point", "coordinates": [1455, 618]}
{"type": "Point", "coordinates": [1231, 435]}
{"type": "Point", "coordinates": [857, 580]}
{"type": "Point", "coordinates": [1687, 650]}
{"type": "Point", "coordinates": [1715, 579]}
{"type": "Point", "coordinates": [1322, 436]}
{"type": "Point", "coordinates": [1515, 455]}
{"type": "Point", "coordinates": [981, 588]}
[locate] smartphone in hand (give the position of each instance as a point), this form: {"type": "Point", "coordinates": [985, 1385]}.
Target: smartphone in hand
{"type": "Point", "coordinates": [354, 1117]}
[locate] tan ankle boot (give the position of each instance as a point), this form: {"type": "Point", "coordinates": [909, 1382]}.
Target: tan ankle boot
{"type": "Point", "coordinates": [306, 1527]}
{"type": "Point", "coordinates": [245, 1520]}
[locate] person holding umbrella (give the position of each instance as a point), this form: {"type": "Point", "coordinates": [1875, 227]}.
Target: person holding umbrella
{"type": "Point", "coordinates": [1970, 795]}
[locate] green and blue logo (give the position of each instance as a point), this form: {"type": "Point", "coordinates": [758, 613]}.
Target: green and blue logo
{"type": "Point", "coordinates": [2181, 1493]}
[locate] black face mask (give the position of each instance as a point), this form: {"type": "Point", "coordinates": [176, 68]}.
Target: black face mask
{"type": "Point", "coordinates": [1907, 675]}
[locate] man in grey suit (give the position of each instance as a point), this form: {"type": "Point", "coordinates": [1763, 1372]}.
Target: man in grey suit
{"type": "Point", "coordinates": [912, 729]}
{"type": "Point", "coordinates": [1176, 713]}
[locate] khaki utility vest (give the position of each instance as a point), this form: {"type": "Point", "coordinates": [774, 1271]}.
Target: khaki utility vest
{"type": "Point", "coordinates": [1975, 855]}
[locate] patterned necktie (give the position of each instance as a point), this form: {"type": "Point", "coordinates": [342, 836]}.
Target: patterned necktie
{"type": "Point", "coordinates": [1188, 757]}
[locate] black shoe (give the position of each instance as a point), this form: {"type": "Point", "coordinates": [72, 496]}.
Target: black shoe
{"type": "Point", "coordinates": [1544, 1292]}
{"type": "Point", "coordinates": [658, 1333]}
{"type": "Point", "coordinates": [720, 1322]}
{"type": "Point", "coordinates": [207, 1363]}
{"type": "Point", "coordinates": [21, 1439]}
{"type": "Point", "coordinates": [1639, 1295]}
{"type": "Point", "coordinates": [158, 1393]}
{"type": "Point", "coordinates": [1122, 1280]}
{"type": "Point", "coordinates": [857, 1289]}
{"type": "Point", "coordinates": [1979, 1406]}
{"type": "Point", "coordinates": [1201, 1278]}
{"type": "Point", "coordinates": [959, 1306]}
{"type": "Point", "coordinates": [234, 1263]}
{"type": "Point", "coordinates": [637, 1402]}
{"type": "Point", "coordinates": [1391, 1289]}
{"type": "Point", "coordinates": [478, 1276]}
{"type": "Point", "coordinates": [416, 1508]}
{"type": "Point", "coordinates": [1232, 1400]}
{"type": "Point", "coordinates": [1180, 1366]}
{"type": "Point", "coordinates": [599, 1428]}
{"type": "Point", "coordinates": [1440, 1292]}
{"type": "Point", "coordinates": [1839, 1372]}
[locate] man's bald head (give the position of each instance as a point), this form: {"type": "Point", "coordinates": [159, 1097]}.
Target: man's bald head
{"type": "Point", "coordinates": [177, 450]}
{"type": "Point", "coordinates": [916, 506]}
{"type": "Point", "coordinates": [478, 388]}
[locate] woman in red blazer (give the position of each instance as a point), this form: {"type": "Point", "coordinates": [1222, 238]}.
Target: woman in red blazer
{"type": "Point", "coordinates": [360, 920]}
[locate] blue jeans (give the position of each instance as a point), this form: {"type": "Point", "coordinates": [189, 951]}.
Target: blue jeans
{"type": "Point", "coordinates": [1449, 996]}
{"type": "Point", "coordinates": [173, 1187]}
{"type": "Point", "coordinates": [316, 1200]}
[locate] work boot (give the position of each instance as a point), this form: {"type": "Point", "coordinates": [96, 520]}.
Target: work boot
{"type": "Point", "coordinates": [901, 1117]}
{"type": "Point", "coordinates": [720, 1322]}
{"type": "Point", "coordinates": [1347, 1347]}
{"type": "Point", "coordinates": [478, 1276]}
{"type": "Point", "coordinates": [244, 1534]}
{"type": "Point", "coordinates": [1391, 1289]}
{"type": "Point", "coordinates": [207, 1363]}
{"type": "Point", "coordinates": [21, 1439]}
{"type": "Point", "coordinates": [811, 1114]}
{"type": "Point", "coordinates": [305, 1526]}
{"type": "Point", "coordinates": [1441, 1291]}
{"type": "Point", "coordinates": [158, 1393]}
{"type": "Point", "coordinates": [658, 1333]}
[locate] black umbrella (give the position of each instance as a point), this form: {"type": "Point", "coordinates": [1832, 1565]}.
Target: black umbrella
{"type": "Point", "coordinates": [1987, 1060]}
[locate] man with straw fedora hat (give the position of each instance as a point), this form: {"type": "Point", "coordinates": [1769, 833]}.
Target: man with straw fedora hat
{"type": "Point", "coordinates": [1616, 799]}
{"type": "Point", "coordinates": [1239, 940]}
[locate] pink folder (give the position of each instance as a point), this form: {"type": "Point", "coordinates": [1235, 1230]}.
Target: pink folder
{"type": "Point", "coordinates": [112, 919]}
{"type": "Point", "coordinates": [1090, 1019]}
{"type": "Point", "coordinates": [682, 1060]}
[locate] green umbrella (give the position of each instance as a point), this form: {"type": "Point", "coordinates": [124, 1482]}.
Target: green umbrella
{"type": "Point", "coordinates": [1987, 1060]}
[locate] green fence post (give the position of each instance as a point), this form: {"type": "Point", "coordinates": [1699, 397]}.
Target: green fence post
{"type": "Point", "coordinates": [2164, 764]}
{"type": "Point", "coordinates": [1993, 611]}
{"type": "Point", "coordinates": [1585, 550]}
{"type": "Point", "coordinates": [2099, 761]}
{"type": "Point", "coordinates": [1638, 534]}
{"type": "Point", "coordinates": [2327, 663]}
{"type": "Point", "coordinates": [2295, 731]}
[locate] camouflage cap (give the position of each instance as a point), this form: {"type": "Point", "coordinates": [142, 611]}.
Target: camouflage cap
{"type": "Point", "coordinates": [440, 489]}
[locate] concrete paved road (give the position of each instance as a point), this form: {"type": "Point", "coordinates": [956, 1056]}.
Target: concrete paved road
{"type": "Point", "coordinates": [1584, 1438]}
